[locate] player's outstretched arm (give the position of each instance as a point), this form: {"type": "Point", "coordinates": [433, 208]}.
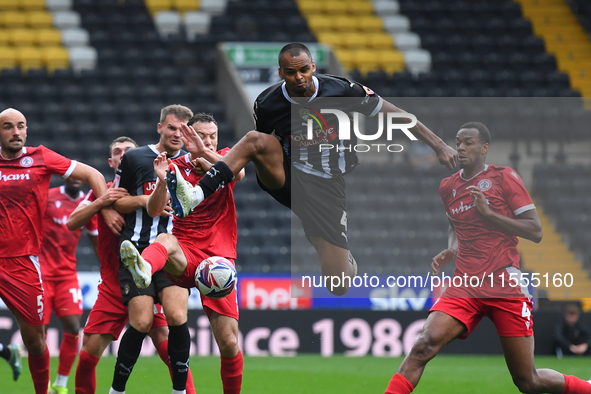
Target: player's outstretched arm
{"type": "Point", "coordinates": [525, 225]}
{"type": "Point", "coordinates": [88, 174]}
{"type": "Point", "coordinates": [157, 201]}
{"type": "Point", "coordinates": [85, 210]}
{"type": "Point", "coordinates": [446, 155]}
{"type": "Point", "coordinates": [203, 165]}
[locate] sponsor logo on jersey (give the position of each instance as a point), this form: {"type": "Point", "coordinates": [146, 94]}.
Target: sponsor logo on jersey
{"type": "Point", "coordinates": [149, 187]}
{"type": "Point", "coordinates": [14, 177]}
{"type": "Point", "coordinates": [26, 161]}
{"type": "Point", "coordinates": [463, 208]}
{"type": "Point", "coordinates": [484, 185]}
{"type": "Point", "coordinates": [63, 220]}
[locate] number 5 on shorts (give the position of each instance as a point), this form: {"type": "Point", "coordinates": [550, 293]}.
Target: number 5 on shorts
{"type": "Point", "coordinates": [39, 303]}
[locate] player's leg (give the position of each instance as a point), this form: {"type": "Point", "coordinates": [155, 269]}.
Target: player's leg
{"type": "Point", "coordinates": [337, 264]}
{"type": "Point", "coordinates": [68, 352]}
{"type": "Point", "coordinates": [264, 150]}
{"type": "Point", "coordinates": [12, 355]}
{"type": "Point", "coordinates": [141, 314]}
{"type": "Point", "coordinates": [225, 331]}
{"type": "Point", "coordinates": [166, 253]}
{"type": "Point", "coordinates": [34, 340]}
{"type": "Point", "coordinates": [174, 300]}
{"type": "Point", "coordinates": [519, 355]}
{"type": "Point", "coordinates": [440, 329]}
{"type": "Point", "coordinates": [93, 346]}
{"type": "Point", "coordinates": [159, 335]}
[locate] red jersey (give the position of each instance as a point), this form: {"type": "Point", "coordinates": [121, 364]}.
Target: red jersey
{"type": "Point", "coordinates": [24, 184]}
{"type": "Point", "coordinates": [108, 246]}
{"type": "Point", "coordinates": [211, 227]}
{"type": "Point", "coordinates": [483, 247]}
{"type": "Point", "coordinates": [58, 251]}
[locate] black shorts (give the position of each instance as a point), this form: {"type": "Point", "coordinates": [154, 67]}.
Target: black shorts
{"type": "Point", "coordinates": [319, 203]}
{"type": "Point", "coordinates": [130, 290]}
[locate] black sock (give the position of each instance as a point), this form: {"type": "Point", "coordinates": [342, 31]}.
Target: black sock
{"type": "Point", "coordinates": [217, 176]}
{"type": "Point", "coordinates": [179, 342]}
{"type": "Point", "coordinates": [5, 353]}
{"type": "Point", "coordinates": [129, 351]}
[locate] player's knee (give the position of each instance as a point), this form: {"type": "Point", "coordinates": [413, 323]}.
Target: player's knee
{"type": "Point", "coordinates": [175, 317]}
{"type": "Point", "coordinates": [425, 348]}
{"type": "Point", "coordinates": [72, 328]}
{"type": "Point", "coordinates": [228, 346]}
{"type": "Point", "coordinates": [35, 345]}
{"type": "Point", "coordinates": [165, 240]}
{"type": "Point", "coordinates": [256, 141]}
{"type": "Point", "coordinates": [526, 384]}
{"type": "Point", "coordinates": [142, 323]}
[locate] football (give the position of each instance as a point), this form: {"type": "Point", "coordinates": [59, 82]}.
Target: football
{"type": "Point", "coordinates": [215, 277]}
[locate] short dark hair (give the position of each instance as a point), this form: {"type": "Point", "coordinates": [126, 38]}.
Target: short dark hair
{"type": "Point", "coordinates": [202, 117]}
{"type": "Point", "coordinates": [483, 133]}
{"type": "Point", "coordinates": [294, 49]}
{"type": "Point", "coordinates": [121, 139]}
{"type": "Point", "coordinates": [180, 111]}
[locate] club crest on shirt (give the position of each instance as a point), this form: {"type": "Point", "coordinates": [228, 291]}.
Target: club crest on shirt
{"type": "Point", "coordinates": [26, 161]}
{"type": "Point", "coordinates": [58, 204]}
{"type": "Point", "coordinates": [484, 185]}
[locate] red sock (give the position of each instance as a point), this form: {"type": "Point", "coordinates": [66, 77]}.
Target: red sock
{"type": "Point", "coordinates": [232, 373]}
{"type": "Point", "coordinates": [399, 385]}
{"type": "Point", "coordinates": [86, 373]}
{"type": "Point", "coordinates": [574, 385]}
{"type": "Point", "coordinates": [68, 353]}
{"type": "Point", "coordinates": [156, 255]}
{"type": "Point", "coordinates": [163, 353]}
{"type": "Point", "coordinates": [39, 367]}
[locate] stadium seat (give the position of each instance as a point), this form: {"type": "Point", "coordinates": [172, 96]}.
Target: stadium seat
{"type": "Point", "coordinates": [82, 58]}
{"type": "Point", "coordinates": [75, 37]}
{"type": "Point", "coordinates": [386, 7]}
{"type": "Point", "coordinates": [48, 37]}
{"type": "Point", "coordinates": [22, 37]}
{"type": "Point", "coordinates": [30, 5]}
{"type": "Point", "coordinates": [7, 57]}
{"type": "Point", "coordinates": [58, 5]}
{"type": "Point", "coordinates": [13, 19]}
{"type": "Point", "coordinates": [320, 23]}
{"type": "Point", "coordinates": [359, 7]}
{"type": "Point", "coordinates": [156, 6]}
{"type": "Point", "coordinates": [4, 37]}
{"type": "Point", "coordinates": [396, 23]}
{"type": "Point", "coordinates": [406, 41]}
{"type": "Point", "coordinates": [336, 40]}
{"type": "Point", "coordinates": [366, 60]}
{"type": "Point", "coordinates": [183, 6]}
{"type": "Point", "coordinates": [39, 19]}
{"type": "Point", "coordinates": [216, 7]}
{"type": "Point", "coordinates": [29, 57]}
{"type": "Point", "coordinates": [55, 58]}
{"type": "Point", "coordinates": [167, 23]}
{"type": "Point", "coordinates": [196, 23]}
{"type": "Point", "coordinates": [380, 40]}
{"type": "Point", "coordinates": [66, 20]}
{"type": "Point", "coordinates": [310, 7]}
{"type": "Point", "coordinates": [333, 7]}
{"type": "Point", "coordinates": [369, 24]}
{"type": "Point", "coordinates": [417, 61]}
{"type": "Point", "coordinates": [354, 40]}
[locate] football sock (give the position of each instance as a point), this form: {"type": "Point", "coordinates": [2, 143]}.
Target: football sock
{"type": "Point", "coordinates": [86, 373]}
{"type": "Point", "coordinates": [162, 349]}
{"type": "Point", "coordinates": [399, 385]}
{"type": "Point", "coordinates": [39, 367]}
{"type": "Point", "coordinates": [232, 373]}
{"type": "Point", "coordinates": [156, 255]}
{"type": "Point", "coordinates": [129, 351]}
{"type": "Point", "coordinates": [179, 342]}
{"type": "Point", "coordinates": [61, 380]}
{"type": "Point", "coordinates": [5, 352]}
{"type": "Point", "coordinates": [68, 353]}
{"type": "Point", "coordinates": [574, 385]}
{"type": "Point", "coordinates": [217, 176]}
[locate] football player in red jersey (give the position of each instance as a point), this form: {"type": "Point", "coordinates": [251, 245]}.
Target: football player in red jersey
{"type": "Point", "coordinates": [208, 231]}
{"type": "Point", "coordinates": [109, 315]}
{"type": "Point", "coordinates": [488, 208]}
{"type": "Point", "coordinates": [25, 173]}
{"type": "Point", "coordinates": [58, 269]}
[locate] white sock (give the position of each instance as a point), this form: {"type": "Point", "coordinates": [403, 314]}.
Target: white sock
{"type": "Point", "coordinates": [113, 391]}
{"type": "Point", "coordinates": [61, 380]}
{"type": "Point", "coordinates": [198, 196]}
{"type": "Point", "coordinates": [1, 347]}
{"type": "Point", "coordinates": [179, 391]}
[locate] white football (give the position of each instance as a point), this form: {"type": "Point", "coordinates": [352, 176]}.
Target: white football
{"type": "Point", "coordinates": [215, 277]}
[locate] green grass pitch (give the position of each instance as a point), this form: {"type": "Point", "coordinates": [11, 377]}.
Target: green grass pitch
{"type": "Point", "coordinates": [314, 374]}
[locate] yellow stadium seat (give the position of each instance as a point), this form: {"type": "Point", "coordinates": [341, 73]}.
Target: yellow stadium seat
{"type": "Point", "coordinates": [320, 23]}
{"type": "Point", "coordinates": [4, 37]}
{"type": "Point", "coordinates": [310, 7]}
{"type": "Point", "coordinates": [366, 60]}
{"type": "Point", "coordinates": [39, 19]}
{"type": "Point", "coordinates": [7, 57]}
{"type": "Point", "coordinates": [345, 57]}
{"type": "Point", "coordinates": [155, 6]}
{"type": "Point", "coordinates": [359, 7]}
{"type": "Point", "coordinates": [355, 40]}
{"type": "Point", "coordinates": [13, 19]}
{"type": "Point", "coordinates": [330, 38]}
{"type": "Point", "coordinates": [32, 4]}
{"type": "Point", "coordinates": [55, 57]}
{"type": "Point", "coordinates": [381, 41]}
{"type": "Point", "coordinates": [343, 23]}
{"type": "Point", "coordinates": [333, 7]}
{"type": "Point", "coordinates": [391, 61]}
{"type": "Point", "coordinates": [185, 5]}
{"type": "Point", "coordinates": [9, 5]}
{"type": "Point", "coordinates": [29, 57]}
{"type": "Point", "coordinates": [48, 37]}
{"type": "Point", "coordinates": [370, 24]}
{"type": "Point", "coordinates": [22, 37]}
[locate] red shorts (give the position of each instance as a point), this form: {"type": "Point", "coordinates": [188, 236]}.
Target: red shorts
{"type": "Point", "coordinates": [109, 315]}
{"type": "Point", "coordinates": [62, 296]}
{"type": "Point", "coordinates": [21, 289]}
{"type": "Point", "coordinates": [227, 306]}
{"type": "Point", "coordinates": [511, 316]}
